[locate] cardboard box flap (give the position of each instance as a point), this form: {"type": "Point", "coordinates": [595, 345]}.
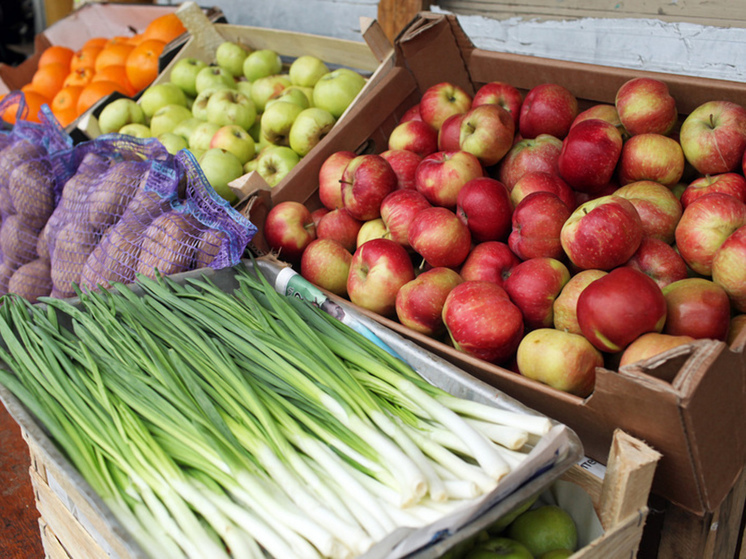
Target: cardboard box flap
{"type": "Point", "coordinates": [376, 39]}
{"type": "Point", "coordinates": [200, 28]}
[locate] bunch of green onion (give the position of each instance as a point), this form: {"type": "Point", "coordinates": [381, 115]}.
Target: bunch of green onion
{"type": "Point", "coordinates": [248, 424]}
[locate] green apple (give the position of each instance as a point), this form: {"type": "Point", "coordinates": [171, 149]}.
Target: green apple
{"type": "Point", "coordinates": [167, 118]}
{"type": "Point", "coordinates": [306, 70]}
{"type": "Point", "coordinates": [202, 136]}
{"type": "Point", "coordinates": [228, 106]}
{"type": "Point", "coordinates": [214, 77]}
{"type": "Point", "coordinates": [221, 167]}
{"type": "Point", "coordinates": [172, 142]}
{"type": "Point", "coordinates": [230, 56]}
{"type": "Point", "coordinates": [308, 129]}
{"type": "Point", "coordinates": [160, 95]}
{"type": "Point", "coordinates": [184, 74]}
{"type": "Point", "coordinates": [186, 127]}
{"type": "Point", "coordinates": [236, 140]}
{"type": "Point", "coordinates": [337, 89]}
{"type": "Point", "coordinates": [545, 528]}
{"type": "Point", "coordinates": [263, 89]}
{"type": "Point", "coordinates": [244, 86]}
{"type": "Point", "coordinates": [261, 63]}
{"type": "Point", "coordinates": [118, 113]}
{"type": "Point", "coordinates": [275, 162]}
{"type": "Point", "coordinates": [292, 94]}
{"type": "Point", "coordinates": [250, 166]}
{"type": "Point", "coordinates": [504, 521]}
{"type": "Point", "coordinates": [557, 554]}
{"type": "Point", "coordinates": [277, 119]}
{"type": "Point", "coordinates": [255, 130]}
{"type": "Point", "coordinates": [499, 548]}
{"type": "Point", "coordinates": [196, 152]}
{"type": "Point", "coordinates": [199, 107]}
{"type": "Point", "coordinates": [136, 129]}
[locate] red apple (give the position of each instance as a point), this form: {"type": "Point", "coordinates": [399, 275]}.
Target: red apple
{"type": "Point", "coordinates": [658, 260]}
{"type": "Point", "coordinates": [489, 261]}
{"type": "Point", "coordinates": [326, 263]}
{"type": "Point", "coordinates": [366, 181]}
{"type": "Point", "coordinates": [397, 211]}
{"type": "Point", "coordinates": [412, 113]}
{"type": "Point", "coordinates": [449, 134]}
{"type": "Point", "coordinates": [502, 94]}
{"type": "Point", "coordinates": [566, 303]}
{"type": "Point", "coordinates": [539, 181]}
{"type": "Point", "coordinates": [317, 214]}
{"type": "Point", "coordinates": [419, 303]}
{"type": "Point", "coordinates": [487, 131]}
{"type": "Point", "coordinates": [652, 157]}
{"type": "Point", "coordinates": [441, 101]}
{"type": "Point", "coordinates": [559, 359]}
{"type": "Point", "coordinates": [603, 233]}
{"type": "Point", "coordinates": [439, 236]}
{"type": "Point", "coordinates": [340, 226]}
{"type": "Point", "coordinates": [589, 155]}
{"type": "Point", "coordinates": [658, 207]}
{"type": "Point", "coordinates": [441, 175]}
{"type": "Point", "coordinates": [646, 107]}
{"type": "Point", "coordinates": [289, 229]}
{"type": "Point", "coordinates": [482, 321]}
{"type": "Point", "coordinates": [606, 190]}
{"type": "Point", "coordinates": [649, 345]}
{"type": "Point", "coordinates": [404, 163]}
{"type": "Point", "coordinates": [619, 307]}
{"type": "Point", "coordinates": [729, 268]}
{"type": "Point", "coordinates": [379, 268]}
{"type": "Point", "coordinates": [704, 226]}
{"type": "Point", "coordinates": [539, 154]}
{"type": "Point", "coordinates": [330, 176]}
{"type": "Point", "coordinates": [536, 226]}
{"type": "Point", "coordinates": [713, 137]}
{"type": "Point", "coordinates": [416, 136]}
{"type": "Point", "coordinates": [547, 109]}
{"type": "Point", "coordinates": [725, 183]}
{"type": "Point", "coordinates": [533, 285]}
{"type": "Point", "coordinates": [697, 307]}
{"type": "Point", "coordinates": [483, 204]}
{"type": "Point", "coordinates": [603, 112]}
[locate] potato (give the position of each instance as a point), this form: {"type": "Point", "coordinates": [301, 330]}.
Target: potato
{"type": "Point", "coordinates": [6, 202]}
{"type": "Point", "coordinates": [18, 241]}
{"type": "Point", "coordinates": [76, 189]}
{"type": "Point", "coordinates": [72, 247]}
{"type": "Point", "coordinates": [145, 206]}
{"type": "Point", "coordinates": [208, 246]}
{"type": "Point", "coordinates": [108, 200]}
{"type": "Point", "coordinates": [6, 272]}
{"type": "Point", "coordinates": [32, 280]}
{"type": "Point", "coordinates": [114, 259]}
{"type": "Point", "coordinates": [19, 151]}
{"type": "Point", "coordinates": [42, 247]}
{"type": "Point", "coordinates": [31, 190]}
{"type": "Point", "coordinates": [168, 244]}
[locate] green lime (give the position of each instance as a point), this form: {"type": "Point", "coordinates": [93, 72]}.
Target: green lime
{"type": "Point", "coordinates": [499, 548]}
{"type": "Point", "coordinates": [543, 529]}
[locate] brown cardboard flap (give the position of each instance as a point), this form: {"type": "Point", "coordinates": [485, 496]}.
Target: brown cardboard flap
{"type": "Point", "coordinates": [376, 39]}
{"type": "Point", "coordinates": [200, 28]}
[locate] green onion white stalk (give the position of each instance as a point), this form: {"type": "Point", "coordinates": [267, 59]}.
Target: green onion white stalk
{"type": "Point", "coordinates": [248, 424]}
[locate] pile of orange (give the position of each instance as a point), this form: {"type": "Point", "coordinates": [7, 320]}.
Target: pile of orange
{"type": "Point", "coordinates": [70, 81]}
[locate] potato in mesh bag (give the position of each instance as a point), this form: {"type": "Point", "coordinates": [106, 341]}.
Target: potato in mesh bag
{"type": "Point", "coordinates": [17, 152]}
{"type": "Point", "coordinates": [31, 190]}
{"type": "Point", "coordinates": [6, 202]}
{"type": "Point", "coordinates": [115, 258]}
{"type": "Point", "coordinates": [112, 194]}
{"type": "Point", "coordinates": [73, 245]}
{"type": "Point", "coordinates": [208, 246]}
{"type": "Point", "coordinates": [32, 280]}
{"type": "Point", "coordinates": [75, 192]}
{"type": "Point", "coordinates": [6, 272]}
{"type": "Point", "coordinates": [168, 244]}
{"type": "Point", "coordinates": [18, 241]}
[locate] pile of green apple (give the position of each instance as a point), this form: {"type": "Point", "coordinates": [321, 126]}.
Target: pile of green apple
{"type": "Point", "coordinates": [245, 111]}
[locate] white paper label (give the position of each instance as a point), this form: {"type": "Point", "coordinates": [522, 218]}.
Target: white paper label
{"type": "Point", "coordinates": [593, 467]}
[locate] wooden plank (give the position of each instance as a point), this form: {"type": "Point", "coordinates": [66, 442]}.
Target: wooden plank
{"type": "Point", "coordinates": [394, 15]}
{"type": "Point", "coordinates": [719, 13]}
{"type": "Point", "coordinates": [53, 549]}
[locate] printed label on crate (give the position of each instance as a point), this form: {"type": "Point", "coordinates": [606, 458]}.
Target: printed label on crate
{"type": "Point", "coordinates": [593, 467]}
{"type": "Point", "coordinates": [70, 505]}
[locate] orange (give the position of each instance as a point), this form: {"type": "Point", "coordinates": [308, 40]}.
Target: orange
{"type": "Point", "coordinates": [65, 117]}
{"type": "Point", "coordinates": [56, 54]}
{"type": "Point", "coordinates": [118, 40]}
{"type": "Point", "coordinates": [142, 63]}
{"type": "Point", "coordinates": [95, 91]}
{"type": "Point", "coordinates": [48, 79]}
{"type": "Point", "coordinates": [164, 28]}
{"type": "Point", "coordinates": [114, 54]}
{"type": "Point", "coordinates": [82, 76]}
{"type": "Point", "coordinates": [34, 101]}
{"type": "Point", "coordinates": [66, 98]}
{"type": "Point", "coordinates": [98, 42]}
{"type": "Point", "coordinates": [85, 58]}
{"type": "Point", "coordinates": [137, 39]}
{"type": "Point", "coordinates": [116, 74]}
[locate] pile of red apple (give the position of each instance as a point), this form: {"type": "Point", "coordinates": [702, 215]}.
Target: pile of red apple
{"type": "Point", "coordinates": [536, 236]}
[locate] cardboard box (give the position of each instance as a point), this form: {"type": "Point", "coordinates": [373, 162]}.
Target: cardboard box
{"type": "Point", "coordinates": [687, 403]}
